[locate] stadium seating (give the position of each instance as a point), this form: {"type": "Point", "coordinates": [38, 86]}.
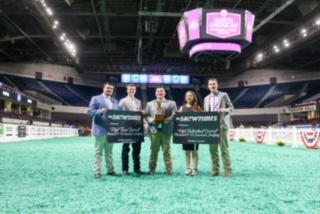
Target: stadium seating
{"type": "Point", "coordinates": [312, 89]}
{"type": "Point", "coordinates": [252, 96]}
{"type": "Point", "coordinates": [242, 97]}
{"type": "Point", "coordinates": [283, 89]}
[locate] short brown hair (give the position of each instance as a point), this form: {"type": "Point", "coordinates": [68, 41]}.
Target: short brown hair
{"type": "Point", "coordinates": [213, 79]}
{"type": "Point", "coordinates": [108, 83]}
{"type": "Point", "coordinates": [131, 85]}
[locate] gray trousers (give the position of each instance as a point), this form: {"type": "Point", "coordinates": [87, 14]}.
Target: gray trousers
{"type": "Point", "coordinates": [102, 145]}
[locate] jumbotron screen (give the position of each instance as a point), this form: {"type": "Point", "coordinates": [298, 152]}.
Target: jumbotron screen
{"type": "Point", "coordinates": [155, 79]}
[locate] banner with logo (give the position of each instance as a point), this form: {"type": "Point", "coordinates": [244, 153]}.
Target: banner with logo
{"type": "Point", "coordinates": [310, 139]}
{"type": "Point", "coordinates": [196, 128]}
{"type": "Point", "coordinates": [22, 131]}
{"type": "Point", "coordinates": [124, 127]}
{"type": "Point", "coordinates": [1, 130]}
{"type": "Point", "coordinates": [260, 136]}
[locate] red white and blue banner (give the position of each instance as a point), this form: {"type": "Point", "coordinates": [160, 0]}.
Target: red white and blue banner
{"type": "Point", "coordinates": [232, 134]}
{"type": "Point", "coordinates": [310, 139]}
{"type": "Point", "coordinates": [260, 136]}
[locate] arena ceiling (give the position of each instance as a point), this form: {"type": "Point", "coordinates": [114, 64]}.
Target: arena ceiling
{"type": "Point", "coordinates": [106, 35]}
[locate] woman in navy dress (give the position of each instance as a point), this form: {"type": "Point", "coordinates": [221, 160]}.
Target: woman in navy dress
{"type": "Point", "coordinates": [191, 150]}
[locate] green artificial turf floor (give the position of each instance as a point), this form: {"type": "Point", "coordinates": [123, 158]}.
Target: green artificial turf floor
{"type": "Point", "coordinates": [56, 176]}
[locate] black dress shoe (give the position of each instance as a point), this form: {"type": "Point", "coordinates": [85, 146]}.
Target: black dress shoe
{"type": "Point", "coordinates": [139, 172]}
{"type": "Point", "coordinates": [97, 176]}
{"type": "Point", "coordinates": [215, 174]}
{"type": "Point", "coordinates": [114, 174]}
{"type": "Point", "coordinates": [125, 172]}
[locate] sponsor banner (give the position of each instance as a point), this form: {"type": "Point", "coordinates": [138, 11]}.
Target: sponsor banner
{"type": "Point", "coordinates": [223, 24]}
{"type": "Point", "coordinates": [310, 139]}
{"type": "Point", "coordinates": [22, 131]}
{"type": "Point", "coordinates": [1, 130]}
{"type": "Point", "coordinates": [196, 128]}
{"type": "Point", "coordinates": [260, 136]}
{"type": "Point", "coordinates": [124, 127]}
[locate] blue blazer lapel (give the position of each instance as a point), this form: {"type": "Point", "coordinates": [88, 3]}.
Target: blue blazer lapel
{"type": "Point", "coordinates": [114, 104]}
{"type": "Point", "coordinates": [102, 101]}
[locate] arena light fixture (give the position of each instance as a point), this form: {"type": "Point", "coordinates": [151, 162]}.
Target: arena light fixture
{"type": "Point", "coordinates": [286, 43]}
{"type": "Point", "coordinates": [68, 44]}
{"type": "Point", "coordinates": [304, 32]}
{"type": "Point", "coordinates": [259, 57]}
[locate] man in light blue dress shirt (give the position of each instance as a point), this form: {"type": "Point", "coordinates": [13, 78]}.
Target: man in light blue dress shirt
{"type": "Point", "coordinates": [98, 107]}
{"type": "Point", "coordinates": [218, 101]}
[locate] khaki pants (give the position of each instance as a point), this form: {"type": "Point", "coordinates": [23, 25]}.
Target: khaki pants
{"type": "Point", "coordinates": [101, 145]}
{"type": "Point", "coordinates": [163, 140]}
{"type": "Point", "coordinates": [225, 154]}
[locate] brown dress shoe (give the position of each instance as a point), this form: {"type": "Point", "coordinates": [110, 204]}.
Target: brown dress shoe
{"type": "Point", "coordinates": [97, 176]}
{"type": "Point", "coordinates": [228, 175]}
{"type": "Point", "coordinates": [215, 174]}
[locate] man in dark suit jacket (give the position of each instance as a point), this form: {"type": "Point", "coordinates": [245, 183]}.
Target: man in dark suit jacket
{"type": "Point", "coordinates": [220, 102]}
{"type": "Point", "coordinates": [160, 132]}
{"type": "Point", "coordinates": [130, 103]}
{"type": "Point", "coordinates": [98, 107]}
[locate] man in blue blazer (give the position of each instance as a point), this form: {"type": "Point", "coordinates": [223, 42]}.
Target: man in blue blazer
{"type": "Point", "coordinates": [98, 107]}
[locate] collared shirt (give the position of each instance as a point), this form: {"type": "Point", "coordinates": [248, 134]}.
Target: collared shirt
{"type": "Point", "coordinates": [214, 101]}
{"type": "Point", "coordinates": [108, 101]}
{"type": "Point", "coordinates": [133, 103]}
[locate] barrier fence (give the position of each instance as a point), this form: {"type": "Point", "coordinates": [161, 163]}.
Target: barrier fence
{"type": "Point", "coordinates": [14, 132]}
{"type": "Point", "coordinates": [308, 138]}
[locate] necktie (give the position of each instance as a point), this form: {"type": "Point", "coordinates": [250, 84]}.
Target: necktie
{"type": "Point", "coordinates": [159, 109]}
{"type": "Point", "coordinates": [159, 102]}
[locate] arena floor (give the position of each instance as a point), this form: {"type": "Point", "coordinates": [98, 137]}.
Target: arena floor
{"type": "Point", "coordinates": [56, 176]}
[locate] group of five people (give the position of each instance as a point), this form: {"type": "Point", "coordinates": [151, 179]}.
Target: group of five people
{"type": "Point", "coordinates": [160, 133]}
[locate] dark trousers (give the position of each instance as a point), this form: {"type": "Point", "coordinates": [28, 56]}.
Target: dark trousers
{"type": "Point", "coordinates": [136, 148]}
